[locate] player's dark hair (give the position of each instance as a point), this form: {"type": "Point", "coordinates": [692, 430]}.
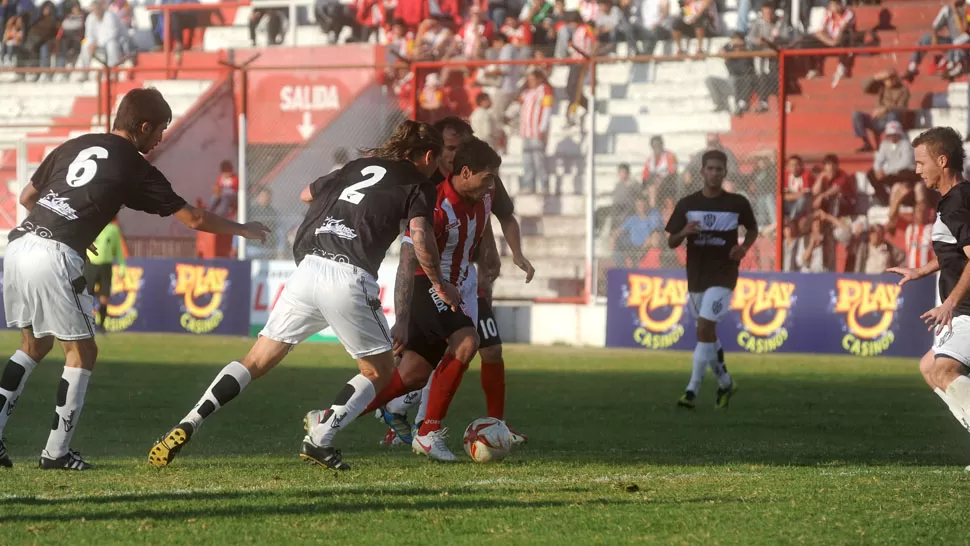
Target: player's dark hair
{"type": "Point", "coordinates": [411, 140]}
{"type": "Point", "coordinates": [944, 141]}
{"type": "Point", "coordinates": [142, 105]}
{"type": "Point", "coordinates": [831, 158]}
{"type": "Point", "coordinates": [713, 155]}
{"type": "Point", "coordinates": [477, 155]}
{"type": "Point", "coordinates": [623, 167]}
{"type": "Point", "coordinates": [656, 138]}
{"type": "Point", "coordinates": [454, 123]}
{"type": "Point", "coordinates": [225, 166]}
{"type": "Point", "coordinates": [482, 97]}
{"type": "Point", "coordinates": [796, 157]}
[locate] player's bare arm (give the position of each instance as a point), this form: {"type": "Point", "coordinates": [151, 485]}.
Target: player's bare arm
{"type": "Point", "coordinates": [29, 197]}
{"type": "Point", "coordinates": [403, 292]}
{"type": "Point", "coordinates": [489, 261]}
{"type": "Point", "coordinates": [942, 315]}
{"type": "Point", "coordinates": [306, 195]}
{"type": "Point", "coordinates": [426, 251]}
{"type": "Point", "coordinates": [738, 252]}
{"type": "Point", "coordinates": [675, 239]}
{"type": "Point", "coordinates": [201, 220]}
{"type": "Point", "coordinates": [513, 236]}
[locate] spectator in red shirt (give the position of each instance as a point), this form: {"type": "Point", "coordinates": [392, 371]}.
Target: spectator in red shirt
{"type": "Point", "coordinates": [799, 183]}
{"type": "Point", "coordinates": [519, 35]}
{"type": "Point", "coordinates": [835, 191]}
{"type": "Point", "coordinates": [224, 192]}
{"type": "Point", "coordinates": [660, 167]}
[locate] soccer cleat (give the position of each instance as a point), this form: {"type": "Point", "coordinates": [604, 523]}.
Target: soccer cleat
{"type": "Point", "coordinates": [390, 439]}
{"type": "Point", "coordinates": [4, 458]}
{"type": "Point", "coordinates": [687, 400]}
{"type": "Point", "coordinates": [398, 423]}
{"type": "Point", "coordinates": [168, 446]}
{"type": "Point", "coordinates": [433, 445]}
{"type": "Point", "coordinates": [70, 461]}
{"type": "Point", "coordinates": [724, 395]}
{"type": "Point", "coordinates": [517, 437]}
{"type": "Point", "coordinates": [326, 457]}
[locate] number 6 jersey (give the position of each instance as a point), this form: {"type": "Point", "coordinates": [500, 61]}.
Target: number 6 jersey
{"type": "Point", "coordinates": [356, 212]}
{"type": "Point", "coordinates": [84, 182]}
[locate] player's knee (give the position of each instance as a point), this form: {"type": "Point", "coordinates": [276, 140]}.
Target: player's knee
{"type": "Point", "coordinates": [36, 348]}
{"type": "Point", "coordinates": [926, 369]}
{"type": "Point", "coordinates": [467, 347]}
{"type": "Point", "coordinates": [415, 378]}
{"type": "Point", "coordinates": [491, 354]}
{"type": "Point", "coordinates": [944, 371]}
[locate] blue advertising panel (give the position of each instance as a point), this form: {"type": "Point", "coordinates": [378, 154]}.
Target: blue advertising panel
{"type": "Point", "coordinates": [179, 296]}
{"type": "Point", "coordinates": [861, 315]}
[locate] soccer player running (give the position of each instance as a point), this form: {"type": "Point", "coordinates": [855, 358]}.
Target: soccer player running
{"type": "Point", "coordinates": [77, 190]}
{"type": "Point", "coordinates": [453, 131]}
{"type": "Point", "coordinates": [939, 160]}
{"type": "Point", "coordinates": [108, 249]}
{"type": "Point", "coordinates": [708, 220]}
{"type": "Point", "coordinates": [355, 214]}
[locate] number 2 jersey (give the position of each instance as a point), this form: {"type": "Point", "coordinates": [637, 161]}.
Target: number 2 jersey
{"type": "Point", "coordinates": [356, 211]}
{"type": "Point", "coordinates": [84, 182]}
{"type": "Point", "coordinates": [708, 260]}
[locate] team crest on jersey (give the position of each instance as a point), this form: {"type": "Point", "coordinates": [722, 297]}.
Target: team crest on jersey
{"type": "Point", "coordinates": [709, 220]}
{"type": "Point", "coordinates": [202, 289]}
{"type": "Point", "coordinates": [125, 293]}
{"type": "Point", "coordinates": [336, 227]}
{"type": "Point", "coordinates": [660, 307]}
{"type": "Point", "coordinates": [869, 311]}
{"type": "Point", "coordinates": [764, 308]}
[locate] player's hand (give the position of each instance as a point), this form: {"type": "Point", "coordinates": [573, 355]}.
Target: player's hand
{"type": "Point", "coordinates": [255, 231]}
{"type": "Point", "coordinates": [524, 264]}
{"type": "Point", "coordinates": [449, 294]}
{"type": "Point", "coordinates": [399, 336]}
{"type": "Point", "coordinates": [939, 317]}
{"type": "Point", "coordinates": [908, 273]}
{"type": "Point", "coordinates": [692, 228]}
{"type": "Point", "coordinates": [737, 253]}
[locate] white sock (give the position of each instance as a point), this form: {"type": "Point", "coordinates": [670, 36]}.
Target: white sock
{"type": "Point", "coordinates": [70, 401]}
{"type": "Point", "coordinates": [959, 392]}
{"type": "Point", "coordinates": [354, 398]}
{"type": "Point", "coordinates": [720, 368]}
{"type": "Point", "coordinates": [425, 396]}
{"type": "Point", "coordinates": [403, 404]}
{"type": "Point", "coordinates": [954, 408]}
{"type": "Point", "coordinates": [704, 354]}
{"type": "Point", "coordinates": [226, 386]}
{"type": "Point", "coordinates": [12, 381]}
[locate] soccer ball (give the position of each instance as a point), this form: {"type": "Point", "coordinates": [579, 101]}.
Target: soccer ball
{"type": "Point", "coordinates": [487, 439]}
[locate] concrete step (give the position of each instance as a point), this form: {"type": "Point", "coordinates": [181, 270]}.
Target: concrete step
{"type": "Point", "coordinates": [542, 205]}
{"type": "Point", "coordinates": [546, 268]}
{"type": "Point", "coordinates": [553, 246]}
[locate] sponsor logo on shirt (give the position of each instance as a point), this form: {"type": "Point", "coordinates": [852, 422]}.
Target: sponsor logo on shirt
{"type": "Point", "coordinates": [58, 205]}
{"type": "Point", "coordinates": [869, 310]}
{"type": "Point", "coordinates": [764, 307]}
{"type": "Point", "coordinates": [336, 227]}
{"type": "Point", "coordinates": [660, 303]}
{"type": "Point", "coordinates": [202, 289]}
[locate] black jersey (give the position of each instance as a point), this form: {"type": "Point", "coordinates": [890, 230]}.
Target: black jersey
{"type": "Point", "coordinates": [84, 182]}
{"type": "Point", "coordinates": [951, 234]}
{"type": "Point", "coordinates": [356, 212]}
{"type": "Point", "coordinates": [708, 263]}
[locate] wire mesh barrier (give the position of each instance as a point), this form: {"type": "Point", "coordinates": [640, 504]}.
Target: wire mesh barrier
{"type": "Point", "coordinates": [300, 126]}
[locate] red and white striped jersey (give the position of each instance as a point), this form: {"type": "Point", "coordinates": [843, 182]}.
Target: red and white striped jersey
{"type": "Point", "coordinates": [800, 183]}
{"type": "Point", "coordinates": [583, 41]}
{"type": "Point", "coordinates": [834, 25]}
{"type": "Point", "coordinates": [919, 244]}
{"type": "Point", "coordinates": [589, 10]}
{"type": "Point", "coordinates": [458, 229]}
{"type": "Point", "coordinates": [665, 165]}
{"type": "Point", "coordinates": [537, 104]}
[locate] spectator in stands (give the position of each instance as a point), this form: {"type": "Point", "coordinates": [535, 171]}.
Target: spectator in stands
{"type": "Point", "coordinates": [370, 16]}
{"type": "Point", "coordinates": [742, 80]}
{"type": "Point", "coordinates": [13, 38]}
{"type": "Point", "coordinates": [534, 12]}
{"type": "Point", "coordinates": [41, 39]}
{"type": "Point", "coordinates": [544, 38]}
{"type": "Point", "coordinates": [918, 237]}
{"type": "Point", "coordinates": [624, 193]}
{"type": "Point", "coordinates": [953, 19]}
{"type": "Point", "coordinates": [838, 30]}
{"type": "Point", "coordinates": [893, 175]}
{"type": "Point", "coordinates": [660, 168]}
{"type": "Point", "coordinates": [125, 14]}
{"type": "Point", "coordinates": [697, 18]}
{"type": "Point", "coordinates": [629, 240]}
{"type": "Point", "coordinates": [332, 16]}
{"type": "Point", "coordinates": [476, 34]}
{"type": "Point", "coordinates": [498, 11]}
{"type": "Point", "coordinates": [834, 191]}
{"type": "Point", "coordinates": [434, 41]}
{"type": "Point", "coordinates": [769, 32]}
{"type": "Point", "coordinates": [483, 122]}
{"type": "Point", "coordinates": [519, 35]}
{"type": "Point", "coordinates": [505, 77]}
{"type": "Point", "coordinates": [799, 183]}
{"type": "Point", "coordinates": [612, 24]}
{"type": "Point", "coordinates": [649, 26]}
{"type": "Point", "coordinates": [432, 98]}
{"type": "Point", "coordinates": [892, 101]}
{"type": "Point", "coordinates": [583, 46]}
{"type": "Point", "coordinates": [102, 37]}
{"type": "Point", "coordinates": [262, 211]}
{"type": "Point", "coordinates": [70, 36]}
{"type": "Point", "coordinates": [274, 24]}
{"type": "Point", "coordinates": [867, 252]}
{"type": "Point", "coordinates": [225, 191]}
{"type": "Point", "coordinates": [762, 186]}
{"type": "Point", "coordinates": [808, 252]}
{"type": "Point", "coordinates": [537, 105]}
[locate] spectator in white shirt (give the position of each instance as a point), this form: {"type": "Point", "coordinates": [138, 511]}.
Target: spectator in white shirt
{"type": "Point", "coordinates": [484, 123]}
{"type": "Point", "coordinates": [649, 27]}
{"type": "Point", "coordinates": [103, 32]}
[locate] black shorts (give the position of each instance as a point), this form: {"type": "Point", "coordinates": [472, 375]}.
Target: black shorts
{"type": "Point", "coordinates": [98, 276]}
{"type": "Point", "coordinates": [488, 333]}
{"type": "Point", "coordinates": [432, 322]}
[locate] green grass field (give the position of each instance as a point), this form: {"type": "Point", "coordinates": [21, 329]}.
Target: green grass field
{"type": "Point", "coordinates": [813, 450]}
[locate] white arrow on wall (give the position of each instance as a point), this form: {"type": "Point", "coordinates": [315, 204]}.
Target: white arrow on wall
{"type": "Point", "coordinates": [307, 127]}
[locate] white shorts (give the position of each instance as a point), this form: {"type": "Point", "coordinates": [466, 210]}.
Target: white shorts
{"type": "Point", "coordinates": [323, 293]}
{"type": "Point", "coordinates": [711, 304]}
{"type": "Point", "coordinates": [44, 289]}
{"type": "Point", "coordinates": [469, 294]}
{"type": "Point", "coordinates": [956, 343]}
